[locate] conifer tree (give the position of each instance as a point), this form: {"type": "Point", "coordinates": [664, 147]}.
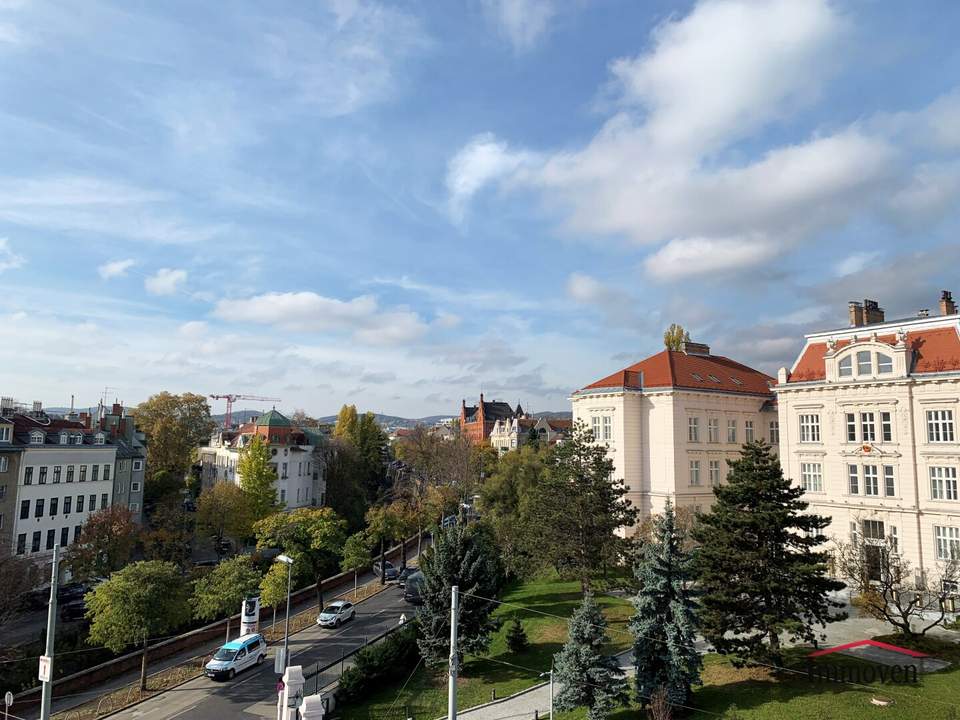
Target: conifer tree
{"type": "Point", "coordinates": [664, 627]}
{"type": "Point", "coordinates": [464, 556]}
{"type": "Point", "coordinates": [586, 676]}
{"type": "Point", "coordinates": [517, 637]}
{"type": "Point", "coordinates": [757, 565]}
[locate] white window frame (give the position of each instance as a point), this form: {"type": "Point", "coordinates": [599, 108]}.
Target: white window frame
{"type": "Point", "coordinates": [713, 430]}
{"type": "Point", "coordinates": [137, 465]}
{"type": "Point", "coordinates": [36, 437]}
{"type": "Point", "coordinates": [853, 480]}
{"type": "Point", "coordinates": [607, 427]}
{"type": "Point", "coordinates": [940, 426]}
{"type": "Point", "coordinates": [695, 473]}
{"type": "Point", "coordinates": [99, 439]}
{"type": "Point", "coordinates": [811, 477]}
{"type": "Point", "coordinates": [947, 541]}
{"type": "Point", "coordinates": [868, 427]}
{"type": "Point", "coordinates": [861, 362]}
{"type": "Point", "coordinates": [693, 429]}
{"type": "Point", "coordinates": [595, 427]}
{"type": "Point", "coordinates": [884, 364]}
{"type": "Point", "coordinates": [714, 468]}
{"type": "Point", "coordinates": [871, 481]}
{"type": "Point", "coordinates": [4, 463]}
{"type": "Point", "coordinates": [845, 367]}
{"type": "Point", "coordinates": [851, 425]}
{"type": "Point", "coordinates": [732, 430]}
{"type": "Point", "coordinates": [4, 433]}
{"type": "Point", "coordinates": [943, 482]}
{"type": "Point", "coordinates": [886, 426]}
{"type": "Point", "coordinates": [748, 433]}
{"type": "Point", "coordinates": [889, 481]}
{"type": "Point", "coordinates": [810, 428]}
{"type": "Point", "coordinates": [774, 430]}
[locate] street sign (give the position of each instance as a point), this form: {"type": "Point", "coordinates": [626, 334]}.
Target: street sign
{"type": "Point", "coordinates": [44, 673]}
{"type": "Point", "coordinates": [8, 699]}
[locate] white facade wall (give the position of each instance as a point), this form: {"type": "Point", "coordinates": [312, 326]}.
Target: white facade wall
{"type": "Point", "coordinates": [83, 459]}
{"type": "Point", "coordinates": [649, 444]}
{"type": "Point", "coordinates": [295, 466]}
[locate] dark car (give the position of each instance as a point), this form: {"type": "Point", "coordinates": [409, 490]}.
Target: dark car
{"type": "Point", "coordinates": [413, 587]}
{"type": "Point", "coordinates": [73, 611]}
{"type": "Point", "coordinates": [390, 572]}
{"type": "Point", "coordinates": [405, 572]}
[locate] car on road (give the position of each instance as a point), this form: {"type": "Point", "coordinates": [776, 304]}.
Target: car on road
{"type": "Point", "coordinates": [402, 576]}
{"type": "Point", "coordinates": [413, 589]}
{"type": "Point", "coordinates": [236, 656]}
{"type": "Point", "coordinates": [73, 611]}
{"type": "Point", "coordinates": [336, 613]}
{"type": "Point", "coordinates": [390, 571]}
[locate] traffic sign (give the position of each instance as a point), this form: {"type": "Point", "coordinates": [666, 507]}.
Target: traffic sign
{"type": "Point", "coordinates": [8, 699]}
{"type": "Point", "coordinates": [44, 673]}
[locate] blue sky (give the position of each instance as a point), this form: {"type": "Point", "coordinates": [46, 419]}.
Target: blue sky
{"type": "Point", "coordinates": [398, 204]}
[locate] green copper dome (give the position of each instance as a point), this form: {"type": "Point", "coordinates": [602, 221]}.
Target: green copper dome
{"type": "Point", "coordinates": [272, 419]}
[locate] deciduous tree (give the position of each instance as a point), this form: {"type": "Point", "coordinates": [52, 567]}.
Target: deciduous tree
{"type": "Point", "coordinates": [674, 337]}
{"type": "Point", "coordinates": [347, 422]}
{"type": "Point", "coordinates": [223, 511]}
{"type": "Point", "coordinates": [383, 526]}
{"type": "Point", "coordinates": [464, 556]}
{"type": "Point", "coordinates": [175, 425]}
{"type": "Point", "coordinates": [356, 555]}
{"type": "Point", "coordinates": [222, 591]}
{"type": "Point", "coordinates": [168, 534]}
{"type": "Point", "coordinates": [313, 536]}
{"type": "Point", "coordinates": [18, 576]}
{"type": "Point", "coordinates": [143, 600]}
{"type": "Point", "coordinates": [758, 565]}
{"type": "Point", "coordinates": [665, 626]}
{"type": "Point", "coordinates": [258, 479]}
{"type": "Point", "coordinates": [586, 675]}
{"type": "Point", "coordinates": [106, 542]}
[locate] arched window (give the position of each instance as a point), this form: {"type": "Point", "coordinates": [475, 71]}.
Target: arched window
{"type": "Point", "coordinates": [846, 366]}
{"type": "Point", "coordinates": [864, 362]}
{"type": "Point", "coordinates": [36, 438]}
{"type": "Point", "coordinates": [884, 364]}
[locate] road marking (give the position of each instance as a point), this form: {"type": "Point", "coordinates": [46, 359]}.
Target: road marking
{"type": "Point", "coordinates": [192, 707]}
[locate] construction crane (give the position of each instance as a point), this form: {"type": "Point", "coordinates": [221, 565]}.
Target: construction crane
{"type": "Point", "coordinates": [231, 398]}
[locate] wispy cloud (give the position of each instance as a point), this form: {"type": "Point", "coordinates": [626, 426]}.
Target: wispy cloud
{"type": "Point", "coordinates": [9, 260]}
{"type": "Point", "coordinates": [166, 281]}
{"type": "Point", "coordinates": [524, 23]}
{"type": "Point", "coordinates": [116, 268]}
{"type": "Point", "coordinates": [482, 299]}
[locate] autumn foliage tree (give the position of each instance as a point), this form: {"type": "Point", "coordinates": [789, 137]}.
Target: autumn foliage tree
{"type": "Point", "coordinates": [174, 426]}
{"type": "Point", "coordinates": [258, 479]}
{"type": "Point", "coordinates": [222, 512]}
{"type": "Point", "coordinates": [106, 542]}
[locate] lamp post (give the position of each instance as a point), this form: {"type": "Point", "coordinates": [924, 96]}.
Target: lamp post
{"type": "Point", "coordinates": [545, 674]}
{"type": "Point", "coordinates": [288, 561]}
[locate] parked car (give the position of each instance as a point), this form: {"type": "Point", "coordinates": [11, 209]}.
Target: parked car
{"type": "Point", "coordinates": [413, 588]}
{"type": "Point", "coordinates": [336, 613]}
{"type": "Point", "coordinates": [236, 656]}
{"type": "Point", "coordinates": [405, 572]}
{"type": "Point", "coordinates": [390, 572]}
{"type": "Point", "coordinates": [73, 611]}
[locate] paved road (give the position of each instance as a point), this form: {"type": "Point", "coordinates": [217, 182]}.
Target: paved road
{"type": "Point", "coordinates": [252, 694]}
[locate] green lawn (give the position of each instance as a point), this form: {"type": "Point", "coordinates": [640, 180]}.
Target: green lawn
{"type": "Point", "coordinates": [426, 693]}
{"type": "Point", "coordinates": [748, 694]}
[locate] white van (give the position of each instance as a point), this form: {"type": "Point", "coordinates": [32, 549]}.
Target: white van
{"type": "Point", "coordinates": [236, 656]}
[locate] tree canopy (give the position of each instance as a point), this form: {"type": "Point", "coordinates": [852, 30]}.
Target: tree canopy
{"type": "Point", "coordinates": [222, 590]}
{"type": "Point", "coordinates": [174, 425]}
{"type": "Point", "coordinates": [223, 511]}
{"type": "Point", "coordinates": [106, 542]}
{"type": "Point", "coordinates": [674, 337]}
{"type": "Point", "coordinates": [258, 479]}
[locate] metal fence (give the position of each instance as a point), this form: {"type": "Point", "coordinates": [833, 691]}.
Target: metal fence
{"type": "Point", "coordinates": [323, 676]}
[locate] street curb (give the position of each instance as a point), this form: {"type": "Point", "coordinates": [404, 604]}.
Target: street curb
{"type": "Point", "coordinates": [200, 674]}
{"type": "Point", "coordinates": [498, 701]}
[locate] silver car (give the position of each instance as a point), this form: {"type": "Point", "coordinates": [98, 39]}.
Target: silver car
{"type": "Point", "coordinates": [336, 613]}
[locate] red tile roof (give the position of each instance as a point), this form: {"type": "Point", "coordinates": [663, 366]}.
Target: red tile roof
{"type": "Point", "coordinates": [671, 368]}
{"type": "Point", "coordinates": [934, 350]}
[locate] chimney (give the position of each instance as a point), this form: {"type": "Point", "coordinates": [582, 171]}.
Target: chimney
{"type": "Point", "coordinates": [694, 348]}
{"type": "Point", "coordinates": [925, 313]}
{"type": "Point", "coordinates": [117, 409]}
{"type": "Point", "coordinates": [481, 398]}
{"type": "Point", "coordinates": [856, 313]}
{"type": "Point", "coordinates": [872, 312]}
{"type": "Point", "coordinates": [947, 305]}
{"type": "Point", "coordinates": [85, 419]}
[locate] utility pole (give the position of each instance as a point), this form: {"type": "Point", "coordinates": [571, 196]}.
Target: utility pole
{"type": "Point", "coordinates": [46, 662]}
{"type": "Point", "coordinates": [452, 685]}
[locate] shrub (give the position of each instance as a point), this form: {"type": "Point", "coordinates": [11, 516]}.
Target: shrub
{"type": "Point", "coordinates": [516, 637]}
{"type": "Point", "coordinates": [377, 665]}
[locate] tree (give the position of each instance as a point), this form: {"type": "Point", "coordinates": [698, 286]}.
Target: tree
{"type": "Point", "coordinates": [580, 507]}
{"type": "Point", "coordinates": [586, 676]}
{"type": "Point", "coordinates": [222, 511]}
{"type": "Point", "coordinates": [516, 636]}
{"type": "Point", "coordinates": [345, 492]}
{"type": "Point", "coordinates": [887, 588]}
{"type": "Point", "coordinates": [174, 426]}
{"type": "Point", "coordinates": [18, 576]}
{"type": "Point", "coordinates": [143, 600]}
{"type": "Point", "coordinates": [313, 536]}
{"type": "Point", "coordinates": [301, 419]}
{"type": "Point", "coordinates": [383, 525]}
{"type": "Point", "coordinates": [168, 534]}
{"type": "Point", "coordinates": [464, 556]}
{"type": "Point", "coordinates": [674, 337]}
{"type": "Point", "coordinates": [273, 586]}
{"type": "Point", "coordinates": [106, 542]}
{"type": "Point", "coordinates": [224, 589]}
{"type": "Point", "coordinates": [356, 555]}
{"type": "Point", "coordinates": [665, 626]}
{"type": "Point", "coordinates": [757, 565]}
{"type": "Point", "coordinates": [258, 479]}
{"type": "Point", "coordinates": [162, 485]}
{"type": "Point", "coordinates": [169, 451]}
{"type": "Point", "coordinates": [533, 438]}
{"type": "Point", "coordinates": [347, 421]}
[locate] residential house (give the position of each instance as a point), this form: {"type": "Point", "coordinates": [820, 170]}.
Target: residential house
{"type": "Point", "coordinates": [510, 434]}
{"type": "Point", "coordinates": [868, 420]}
{"type": "Point", "coordinates": [673, 420]}
{"type": "Point", "coordinates": [477, 421]}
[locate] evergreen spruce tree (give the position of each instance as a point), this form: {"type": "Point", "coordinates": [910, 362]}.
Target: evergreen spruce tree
{"type": "Point", "coordinates": [758, 567]}
{"type": "Point", "coordinates": [586, 677]}
{"type": "Point", "coordinates": [464, 556]}
{"type": "Point", "coordinates": [664, 628]}
{"type": "Point", "coordinates": [516, 637]}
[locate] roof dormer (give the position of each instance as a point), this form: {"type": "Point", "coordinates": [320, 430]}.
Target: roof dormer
{"type": "Point", "coordinates": [64, 437]}
{"type": "Point", "coordinates": [37, 437]}
{"type": "Point", "coordinates": [99, 438]}
{"type": "Point", "coordinates": [866, 359]}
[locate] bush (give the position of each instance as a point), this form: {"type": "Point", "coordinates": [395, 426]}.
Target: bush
{"type": "Point", "coordinates": [377, 665]}
{"type": "Point", "coordinates": [516, 637]}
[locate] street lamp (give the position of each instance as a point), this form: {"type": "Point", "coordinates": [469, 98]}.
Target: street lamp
{"type": "Point", "coordinates": [288, 561]}
{"type": "Point", "coordinates": [545, 674]}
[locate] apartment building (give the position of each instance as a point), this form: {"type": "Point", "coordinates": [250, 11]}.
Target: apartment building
{"type": "Point", "coordinates": [9, 472]}
{"type": "Point", "coordinates": [868, 427]}
{"type": "Point", "coordinates": [296, 456]}
{"type": "Point", "coordinates": [512, 433]}
{"type": "Point", "coordinates": [131, 467]}
{"type": "Point", "coordinates": [672, 421]}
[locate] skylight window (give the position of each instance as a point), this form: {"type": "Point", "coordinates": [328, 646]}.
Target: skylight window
{"type": "Point", "coordinates": [736, 381]}
{"type": "Point", "coordinates": [695, 376]}
{"type": "Point", "coordinates": [714, 378]}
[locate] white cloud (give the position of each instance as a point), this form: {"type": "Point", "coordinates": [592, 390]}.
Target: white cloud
{"type": "Point", "coordinates": [361, 316]}
{"type": "Point", "coordinates": [690, 257]}
{"type": "Point", "coordinates": [9, 260]}
{"type": "Point", "coordinates": [11, 34]}
{"type": "Point", "coordinates": [482, 161]}
{"type": "Point", "coordinates": [463, 297]}
{"type": "Point", "coordinates": [166, 281]}
{"type": "Point", "coordinates": [116, 268]}
{"type": "Point", "coordinates": [194, 329]}
{"type": "Point", "coordinates": [617, 306]}
{"type": "Point", "coordinates": [522, 22]}
{"type": "Point", "coordinates": [855, 263]}
{"type": "Point", "coordinates": [340, 67]}
{"type": "Point", "coordinates": [447, 320]}
{"type": "Point", "coordinates": [927, 195]}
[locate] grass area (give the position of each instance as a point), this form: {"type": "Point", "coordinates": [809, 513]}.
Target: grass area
{"type": "Point", "coordinates": [757, 694]}
{"type": "Point", "coordinates": [426, 693]}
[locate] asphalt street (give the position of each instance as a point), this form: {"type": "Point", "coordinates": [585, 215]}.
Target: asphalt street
{"type": "Point", "coordinates": [253, 693]}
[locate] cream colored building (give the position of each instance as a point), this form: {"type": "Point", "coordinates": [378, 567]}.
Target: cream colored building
{"type": "Point", "coordinates": [868, 426]}
{"type": "Point", "coordinates": [672, 421]}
